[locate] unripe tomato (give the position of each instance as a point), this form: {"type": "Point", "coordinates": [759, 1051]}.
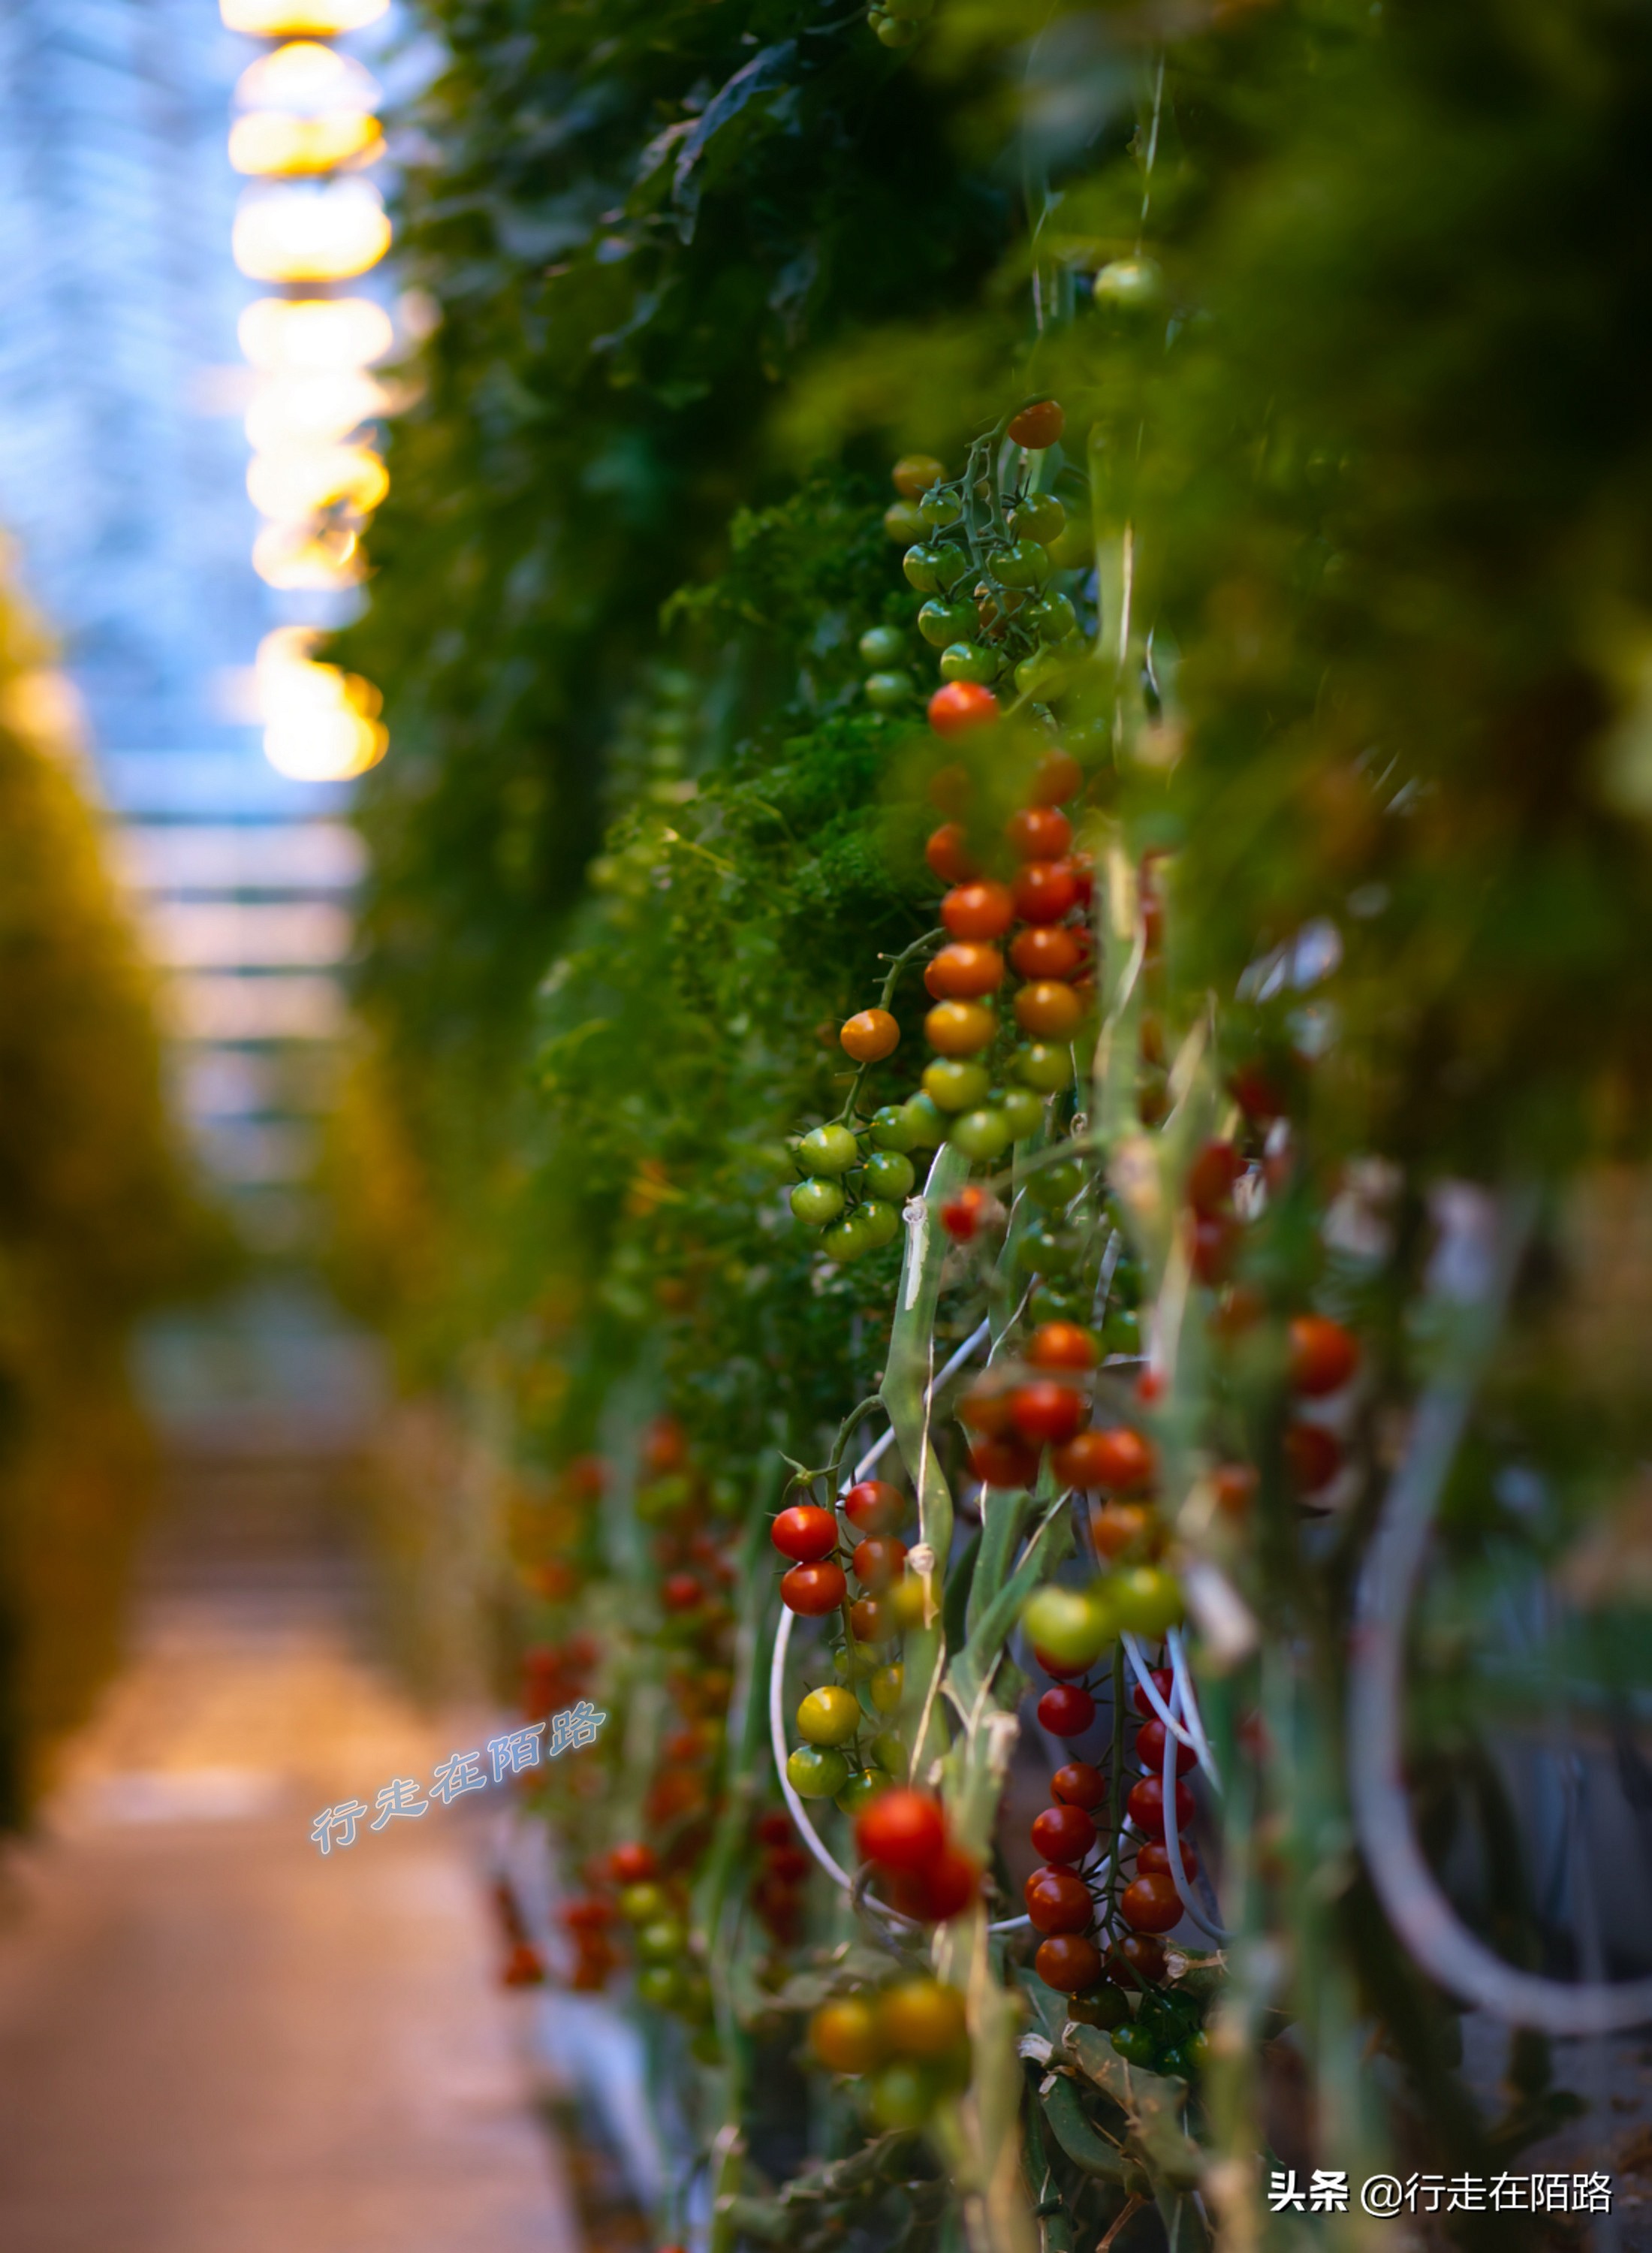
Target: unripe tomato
{"type": "Point", "coordinates": [1039, 833]}
{"type": "Point", "coordinates": [816, 1202]}
{"type": "Point", "coordinates": [1102, 2005]}
{"type": "Point", "coordinates": [1120, 1527]}
{"type": "Point", "coordinates": [1003, 1463]}
{"type": "Point", "coordinates": [1146, 1806]}
{"type": "Point", "coordinates": [1048, 1068]}
{"type": "Point", "coordinates": [830, 1149]}
{"type": "Point", "coordinates": [1112, 1460]}
{"type": "Point", "coordinates": [956, 1029]}
{"type": "Point", "coordinates": [904, 523]}
{"type": "Point", "coordinates": [1211, 1177]}
{"type": "Point", "coordinates": [1023, 563]}
{"type": "Point", "coordinates": [1135, 1958]}
{"type": "Point", "coordinates": [862, 1787]}
{"type": "Point", "coordinates": [1050, 1009]}
{"type": "Point", "coordinates": [1044, 891]}
{"type": "Point", "coordinates": [1059, 1670]}
{"type": "Point", "coordinates": [1046, 1412]}
{"type": "Point", "coordinates": [890, 1176]}
{"type": "Point", "coordinates": [902, 2095]}
{"type": "Point", "coordinates": [874, 1506]}
{"type": "Point", "coordinates": [980, 909]}
{"type": "Point", "coordinates": [816, 1772]}
{"type": "Point", "coordinates": [869, 1035]}
{"type": "Point", "coordinates": [682, 1592]}
{"type": "Point", "coordinates": [1150, 1749]}
{"type": "Point", "coordinates": [1047, 950]}
{"type": "Point", "coordinates": [1323, 1355]}
{"type": "Point", "coordinates": [1023, 1111]}
{"type": "Point", "coordinates": [1153, 1859]}
{"type": "Point", "coordinates": [941, 623]}
{"type": "Point", "coordinates": [962, 706]}
{"type": "Point", "coordinates": [888, 1747]}
{"type": "Point", "coordinates": [1040, 517]}
{"type": "Point", "coordinates": [1235, 1485]}
{"type": "Point", "coordinates": [844, 2035]}
{"type": "Point", "coordinates": [878, 1223]}
{"type": "Point", "coordinates": [886, 1689]}
{"type": "Point", "coordinates": [1163, 1681]}
{"type": "Point", "coordinates": [879, 1559]}
{"type": "Point", "coordinates": [953, 1083]}
{"type": "Point", "coordinates": [969, 660]}
{"type": "Point", "coordinates": [931, 568]}
{"type": "Point", "coordinates": [1066, 1710]}
{"type": "Point", "coordinates": [881, 646]}
{"type": "Point", "coordinates": [813, 1589]}
{"type": "Point", "coordinates": [982, 1134]}
{"type": "Point", "coordinates": [925, 1127]}
{"type": "Point", "coordinates": [1067, 1623]}
{"type": "Point", "coordinates": [905, 1831]}
{"type": "Point", "coordinates": [1037, 426]}
{"type": "Point", "coordinates": [920, 2018]}
{"type": "Point", "coordinates": [964, 971]}
{"type": "Point", "coordinates": [1058, 1902]}
{"type": "Point", "coordinates": [1145, 1601]}
{"type": "Point", "coordinates": [948, 853]}
{"type": "Point", "coordinates": [633, 1864]}
{"type": "Point", "coordinates": [1063, 1834]}
{"type": "Point", "coordinates": [891, 1129]}
{"type": "Point", "coordinates": [1313, 1456]}
{"type": "Point", "coordinates": [914, 474]}
{"type": "Point", "coordinates": [1151, 1904]}
{"type": "Point", "coordinates": [1062, 1345]}
{"type": "Point", "coordinates": [643, 1902]}
{"type": "Point", "coordinates": [1078, 1784]}
{"type": "Point", "coordinates": [829, 1716]}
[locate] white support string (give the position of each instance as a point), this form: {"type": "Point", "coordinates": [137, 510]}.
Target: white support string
{"type": "Point", "coordinates": [1136, 1654]}
{"type": "Point", "coordinates": [1173, 1844]}
{"type": "Point", "coordinates": [1188, 1705]}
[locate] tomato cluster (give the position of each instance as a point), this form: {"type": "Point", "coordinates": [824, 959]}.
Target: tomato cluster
{"type": "Point", "coordinates": [925, 1874]}
{"type": "Point", "coordinates": [908, 2044]}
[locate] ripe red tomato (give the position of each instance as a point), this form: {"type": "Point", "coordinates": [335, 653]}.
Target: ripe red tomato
{"type": "Point", "coordinates": [1312, 1456]}
{"type": "Point", "coordinates": [1058, 777]}
{"type": "Point", "coordinates": [958, 707]}
{"type": "Point", "coordinates": [1067, 1963]}
{"type": "Point", "coordinates": [1038, 426]}
{"type": "Point", "coordinates": [1151, 1904]}
{"type": "Point", "coordinates": [874, 1506]}
{"type": "Point", "coordinates": [1062, 1345]}
{"type": "Point", "coordinates": [1050, 1010]}
{"type": "Point", "coordinates": [790, 1864]}
{"type": "Point", "coordinates": [1150, 1749]}
{"type": "Point", "coordinates": [943, 1888]}
{"type": "Point", "coordinates": [1078, 1784]}
{"type": "Point", "coordinates": [950, 790]}
{"type": "Point", "coordinates": [1235, 1485]}
{"type": "Point", "coordinates": [682, 1592]}
{"type": "Point", "coordinates": [1256, 1094]}
{"type": "Point", "coordinates": [1047, 950]}
{"type": "Point", "coordinates": [980, 909]}
{"type": "Point", "coordinates": [870, 1620]}
{"type": "Point", "coordinates": [1210, 1178]}
{"type": "Point", "coordinates": [1153, 1859]}
{"type": "Point", "coordinates": [774, 1829]}
{"type": "Point", "coordinates": [1136, 1957]}
{"type": "Point", "coordinates": [1323, 1355]}
{"type": "Point", "coordinates": [1003, 1463]}
{"type": "Point", "coordinates": [1114, 1460]}
{"type": "Point", "coordinates": [588, 1915]}
{"type": "Point", "coordinates": [813, 1589]}
{"type": "Point", "coordinates": [964, 971]}
{"type": "Point", "coordinates": [985, 1408]}
{"type": "Point", "coordinates": [879, 1559]}
{"type": "Point", "coordinates": [633, 1864]}
{"type": "Point", "coordinates": [1039, 833]}
{"type": "Point", "coordinates": [964, 1215]}
{"type": "Point", "coordinates": [665, 1447]}
{"type": "Point", "coordinates": [1063, 1833]}
{"type": "Point", "coordinates": [804, 1533]}
{"type": "Point", "coordinates": [1215, 1239]}
{"type": "Point", "coordinates": [1162, 1680]}
{"type": "Point", "coordinates": [1044, 891]}
{"type": "Point", "coordinates": [1066, 1710]}
{"type": "Point", "coordinates": [903, 1830]}
{"type": "Point", "coordinates": [870, 1036]}
{"type": "Point", "coordinates": [1146, 1806]}
{"type": "Point", "coordinates": [1047, 1413]}
{"type": "Point", "coordinates": [948, 853]}
{"type": "Point", "coordinates": [1058, 1902]}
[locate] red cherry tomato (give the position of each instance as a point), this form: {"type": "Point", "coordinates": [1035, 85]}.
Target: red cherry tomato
{"type": "Point", "coordinates": [1163, 1681]}
{"type": "Point", "coordinates": [1077, 1784]}
{"type": "Point", "coordinates": [1058, 1902]}
{"type": "Point", "coordinates": [1313, 1456]}
{"type": "Point", "coordinates": [1235, 1485]}
{"type": "Point", "coordinates": [682, 1592]}
{"type": "Point", "coordinates": [1323, 1355]}
{"type": "Point", "coordinates": [1039, 833]}
{"type": "Point", "coordinates": [1151, 1904]}
{"type": "Point", "coordinates": [1150, 1749]}
{"type": "Point", "coordinates": [964, 971]}
{"type": "Point", "coordinates": [790, 1864]}
{"type": "Point", "coordinates": [903, 1830]}
{"type": "Point", "coordinates": [1058, 777]}
{"type": "Point", "coordinates": [1146, 1807]}
{"type": "Point", "coordinates": [943, 1888]}
{"type": "Point", "coordinates": [980, 909]}
{"type": "Point", "coordinates": [874, 1506]}
{"type": "Point", "coordinates": [879, 1559]}
{"type": "Point", "coordinates": [1153, 1859]}
{"type": "Point", "coordinates": [1256, 1095]}
{"type": "Point", "coordinates": [1114, 1460]}
{"type": "Point", "coordinates": [804, 1533]}
{"type": "Point", "coordinates": [633, 1864]}
{"type": "Point", "coordinates": [1044, 891]}
{"type": "Point", "coordinates": [1062, 1345]}
{"type": "Point", "coordinates": [985, 1408]}
{"type": "Point", "coordinates": [1063, 1833]}
{"type": "Point", "coordinates": [870, 1620]}
{"type": "Point", "coordinates": [1066, 1710]}
{"type": "Point", "coordinates": [1136, 1957]}
{"type": "Point", "coordinates": [1215, 1239]}
{"type": "Point", "coordinates": [1047, 1413]}
{"type": "Point", "coordinates": [948, 853]}
{"type": "Point", "coordinates": [591, 1916]}
{"type": "Point", "coordinates": [665, 1447]}
{"type": "Point", "coordinates": [869, 1035]}
{"type": "Point", "coordinates": [966, 1214]}
{"type": "Point", "coordinates": [1067, 1963]}
{"type": "Point", "coordinates": [1038, 426]}
{"type": "Point", "coordinates": [1211, 1177]}
{"type": "Point", "coordinates": [775, 1829]}
{"type": "Point", "coordinates": [1003, 1463]}
{"type": "Point", "coordinates": [960, 707]}
{"type": "Point", "coordinates": [1047, 950]}
{"type": "Point", "coordinates": [813, 1589]}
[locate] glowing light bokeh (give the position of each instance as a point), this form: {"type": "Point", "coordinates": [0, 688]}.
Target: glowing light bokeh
{"type": "Point", "coordinates": [321, 723]}
{"type": "Point", "coordinates": [271, 145]}
{"type": "Point", "coordinates": [284, 336]}
{"type": "Point", "coordinates": [305, 232]}
{"type": "Point", "coordinates": [290, 19]}
{"type": "Point", "coordinates": [301, 482]}
{"type": "Point", "coordinates": [298, 558]}
{"type": "Point", "coordinates": [308, 78]}
{"type": "Point", "coordinates": [313, 410]}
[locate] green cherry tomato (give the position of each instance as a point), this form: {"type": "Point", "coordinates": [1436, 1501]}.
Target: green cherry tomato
{"type": "Point", "coordinates": [1129, 284]}
{"type": "Point", "coordinates": [890, 1176]}
{"type": "Point", "coordinates": [829, 1716]}
{"type": "Point", "coordinates": [1134, 2043]}
{"type": "Point", "coordinates": [902, 521]}
{"type": "Point", "coordinates": [982, 1134]}
{"type": "Point", "coordinates": [1173, 2063]}
{"type": "Point", "coordinates": [969, 660]}
{"type": "Point", "coordinates": [888, 1747]}
{"type": "Point", "coordinates": [1048, 1305]}
{"type": "Point", "coordinates": [1047, 670]}
{"type": "Point", "coordinates": [879, 1223]}
{"type": "Point", "coordinates": [882, 645]}
{"type": "Point", "coordinates": [828, 1149]}
{"type": "Point", "coordinates": [847, 1240]}
{"type": "Point", "coordinates": [1067, 1623]}
{"type": "Point", "coordinates": [641, 1904]}
{"type": "Point", "coordinates": [658, 1986]}
{"type": "Point", "coordinates": [901, 2095]}
{"type": "Point", "coordinates": [1103, 2007]}
{"type": "Point", "coordinates": [1040, 517]}
{"type": "Point", "coordinates": [957, 1083]}
{"type": "Point", "coordinates": [661, 1942]}
{"type": "Point", "coordinates": [886, 1689]}
{"type": "Point", "coordinates": [927, 569]}
{"type": "Point", "coordinates": [855, 1662]}
{"type": "Point", "coordinates": [892, 33]}
{"type": "Point", "coordinates": [892, 1130]}
{"type": "Point", "coordinates": [861, 1788]}
{"type": "Point", "coordinates": [1043, 1067]}
{"type": "Point", "coordinates": [1052, 617]}
{"type": "Point", "coordinates": [817, 1202]}
{"type": "Point", "coordinates": [939, 508]}
{"type": "Point", "coordinates": [1145, 1601]}
{"type": "Point", "coordinates": [940, 623]}
{"type": "Point", "coordinates": [1022, 1112]}
{"type": "Point", "coordinates": [816, 1772]}
{"type": "Point", "coordinates": [1121, 1332]}
{"type": "Point", "coordinates": [1023, 564]}
{"type": "Point", "coordinates": [1055, 1186]}
{"type": "Point", "coordinates": [886, 692]}
{"type": "Point", "coordinates": [924, 1122]}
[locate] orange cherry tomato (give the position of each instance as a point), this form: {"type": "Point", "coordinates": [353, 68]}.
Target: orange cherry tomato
{"type": "Point", "coordinates": [1044, 891]}
{"type": "Point", "coordinates": [1117, 1526]}
{"type": "Point", "coordinates": [1323, 1355]}
{"type": "Point", "coordinates": [1038, 426]}
{"type": "Point", "coordinates": [1313, 1456]}
{"type": "Point", "coordinates": [948, 853]}
{"type": "Point", "coordinates": [964, 971]}
{"type": "Point", "coordinates": [1039, 833]}
{"type": "Point", "coordinates": [1235, 1485]}
{"type": "Point", "coordinates": [1115, 1461]}
{"type": "Point", "coordinates": [1062, 1345]}
{"type": "Point", "coordinates": [1047, 950]}
{"type": "Point", "coordinates": [979, 909]}
{"type": "Point", "coordinates": [869, 1035]}
{"type": "Point", "coordinates": [1059, 777]}
{"type": "Point", "coordinates": [1049, 1010]}
{"type": "Point", "coordinates": [958, 1029]}
{"type": "Point", "coordinates": [1046, 1412]}
{"type": "Point", "coordinates": [960, 707]}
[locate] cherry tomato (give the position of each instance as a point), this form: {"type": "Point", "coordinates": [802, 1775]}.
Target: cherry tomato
{"type": "Point", "coordinates": [1313, 1456]}
{"type": "Point", "coordinates": [920, 2018]}
{"type": "Point", "coordinates": [1046, 1412]}
{"type": "Point", "coordinates": [813, 1589]}
{"type": "Point", "coordinates": [1058, 1902]}
{"type": "Point", "coordinates": [904, 1830]}
{"type": "Point", "coordinates": [1211, 1177]}
{"type": "Point", "coordinates": [1078, 1784]}
{"type": "Point", "coordinates": [1151, 1904]}
{"type": "Point", "coordinates": [1037, 426]}
{"type": "Point", "coordinates": [1114, 1460]}
{"type": "Point", "coordinates": [956, 1083]}
{"type": "Point", "coordinates": [969, 660]}
{"type": "Point", "coordinates": [1044, 891]}
{"type": "Point", "coordinates": [962, 706]}
{"type": "Point", "coordinates": [1323, 1355]}
{"type": "Point", "coordinates": [915, 473]}
{"type": "Point", "coordinates": [1256, 1095]}
{"type": "Point", "coordinates": [844, 2035]}
{"type": "Point", "coordinates": [870, 1620]}
{"type": "Point", "coordinates": [1235, 1485]}
{"type": "Point", "coordinates": [943, 1888]}
{"type": "Point", "coordinates": [774, 1829]}
{"type": "Point", "coordinates": [1150, 1749]}
{"type": "Point", "coordinates": [829, 1716]}
{"type": "Point", "coordinates": [665, 1446]}
{"type": "Point", "coordinates": [1163, 1681]}
{"type": "Point", "coordinates": [960, 1029]}
{"type": "Point", "coordinates": [1062, 1669]}
{"type": "Point", "coordinates": [1136, 1957]}
{"type": "Point", "coordinates": [870, 1036]}
{"type": "Point", "coordinates": [874, 1506]}
{"type": "Point", "coordinates": [816, 1772]}
{"type": "Point", "coordinates": [1047, 950]}
{"type": "Point", "coordinates": [1063, 1834]}
{"type": "Point", "coordinates": [931, 568]}
{"type": "Point", "coordinates": [1215, 1239]}
{"type": "Point", "coordinates": [1069, 1625]}
{"type": "Point", "coordinates": [1003, 1463]}
{"type": "Point", "coordinates": [1145, 1601]}
{"type": "Point", "coordinates": [1052, 617]}
{"type": "Point", "coordinates": [1023, 563]}
{"type": "Point", "coordinates": [1050, 1010]}
{"type": "Point", "coordinates": [1069, 1962]}
{"type": "Point", "coordinates": [879, 1559]}
{"type": "Point", "coordinates": [633, 1864]}
{"type": "Point", "coordinates": [1039, 833]}
{"type": "Point", "coordinates": [1066, 1710]}
{"type": "Point", "coordinates": [1040, 517]}
{"type": "Point", "coordinates": [968, 1212]}
{"type": "Point", "coordinates": [806, 1533]}
{"type": "Point", "coordinates": [948, 853]}
{"type": "Point", "coordinates": [942, 622]}
{"type": "Point", "coordinates": [1153, 1859]}
{"type": "Point", "coordinates": [1118, 1527]}
{"type": "Point", "coordinates": [985, 1408]}
{"type": "Point", "coordinates": [904, 523]}
{"type": "Point", "coordinates": [979, 909]}
{"type": "Point", "coordinates": [891, 1129]}
{"type": "Point", "coordinates": [881, 646]}
{"type": "Point", "coordinates": [964, 971]}
{"type": "Point", "coordinates": [890, 1176]}
{"type": "Point", "coordinates": [1062, 1345]}
{"type": "Point", "coordinates": [816, 1202]}
{"type": "Point", "coordinates": [682, 1592]}
{"type": "Point", "coordinates": [1146, 1806]}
